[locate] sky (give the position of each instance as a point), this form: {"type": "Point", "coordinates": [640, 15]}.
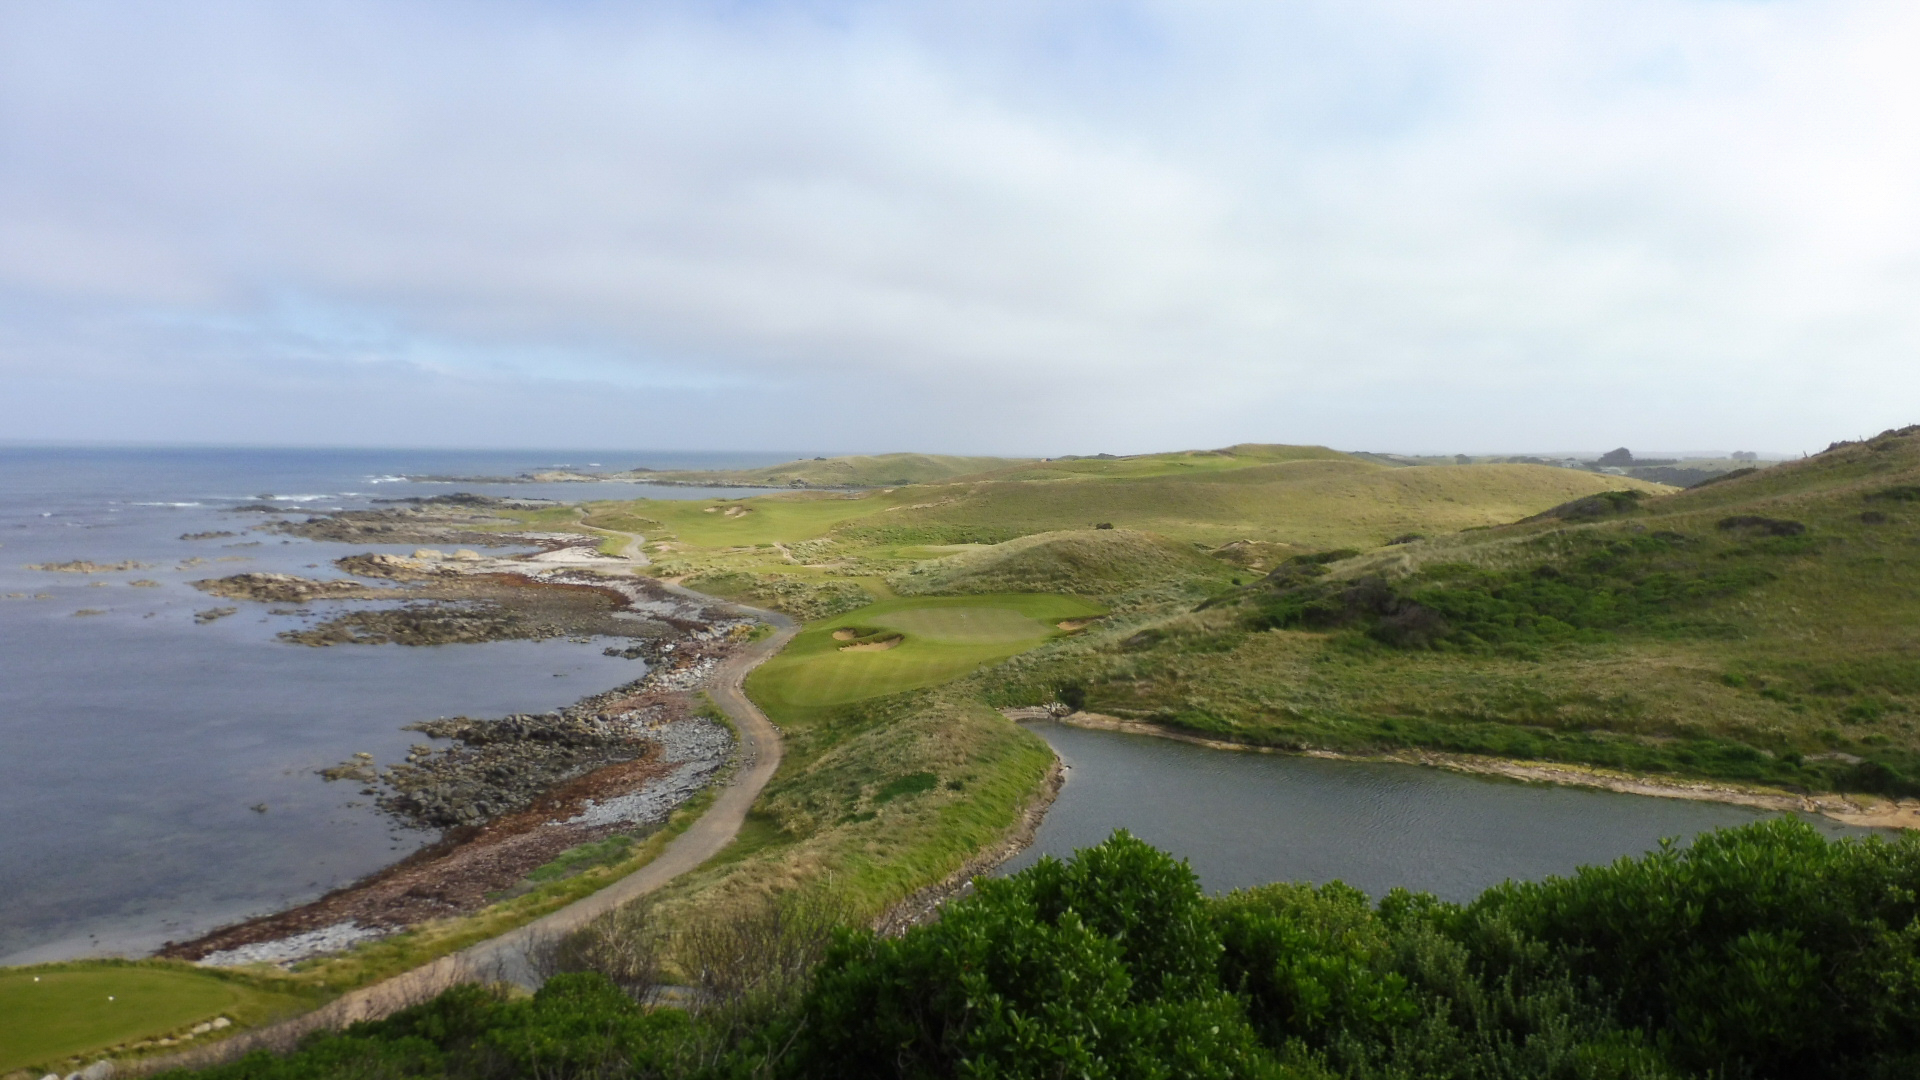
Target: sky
{"type": "Point", "coordinates": [1024, 227]}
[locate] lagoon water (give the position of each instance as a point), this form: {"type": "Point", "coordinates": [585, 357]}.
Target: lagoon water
{"type": "Point", "coordinates": [134, 743]}
{"type": "Point", "coordinates": [1245, 819]}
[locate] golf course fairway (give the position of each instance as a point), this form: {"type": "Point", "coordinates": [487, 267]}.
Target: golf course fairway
{"type": "Point", "coordinates": [897, 645]}
{"type": "Point", "coordinates": [57, 1010]}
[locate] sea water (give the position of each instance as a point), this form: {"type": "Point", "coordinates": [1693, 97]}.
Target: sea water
{"type": "Point", "coordinates": [158, 774]}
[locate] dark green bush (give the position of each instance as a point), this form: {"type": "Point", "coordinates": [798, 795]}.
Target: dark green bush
{"type": "Point", "coordinates": [1105, 966]}
{"type": "Point", "coordinates": [1764, 951]}
{"type": "Point", "coordinates": [1757, 953]}
{"type": "Point", "coordinates": [1629, 583]}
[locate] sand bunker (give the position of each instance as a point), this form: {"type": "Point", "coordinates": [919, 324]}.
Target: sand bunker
{"type": "Point", "coordinates": [1074, 624]}
{"type": "Point", "coordinates": [872, 646]}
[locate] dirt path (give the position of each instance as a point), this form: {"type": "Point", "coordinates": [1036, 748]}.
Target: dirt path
{"type": "Point", "coordinates": [630, 551]}
{"type": "Point", "coordinates": [505, 956]}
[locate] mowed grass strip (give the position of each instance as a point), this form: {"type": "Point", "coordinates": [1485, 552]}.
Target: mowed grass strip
{"type": "Point", "coordinates": [942, 638]}
{"type": "Point", "coordinates": [52, 1012]}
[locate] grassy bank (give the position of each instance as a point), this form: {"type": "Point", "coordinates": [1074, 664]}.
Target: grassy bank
{"type": "Point", "coordinates": [894, 774]}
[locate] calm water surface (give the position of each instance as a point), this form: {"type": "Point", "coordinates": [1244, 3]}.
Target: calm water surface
{"type": "Point", "coordinates": [134, 743]}
{"type": "Point", "coordinates": [1246, 819]}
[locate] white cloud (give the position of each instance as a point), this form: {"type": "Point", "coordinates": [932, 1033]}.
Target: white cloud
{"type": "Point", "coordinates": [1038, 226]}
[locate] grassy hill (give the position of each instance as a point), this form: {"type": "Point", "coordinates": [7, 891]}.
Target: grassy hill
{"type": "Point", "coordinates": [1313, 501]}
{"type": "Point", "coordinates": [1261, 500]}
{"type": "Point", "coordinates": [1177, 463]}
{"type": "Point", "coordinates": [864, 471]}
{"type": "Point", "coordinates": [1085, 562]}
{"type": "Point", "coordinates": [1763, 628]}
{"type": "Point", "coordinates": [897, 770]}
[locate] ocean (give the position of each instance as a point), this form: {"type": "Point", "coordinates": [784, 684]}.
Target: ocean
{"type": "Point", "coordinates": [157, 773]}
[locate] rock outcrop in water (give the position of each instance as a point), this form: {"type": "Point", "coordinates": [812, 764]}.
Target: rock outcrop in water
{"type": "Point", "coordinates": [285, 588]}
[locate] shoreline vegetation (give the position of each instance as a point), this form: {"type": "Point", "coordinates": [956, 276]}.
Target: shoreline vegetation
{"type": "Point", "coordinates": [1512, 618]}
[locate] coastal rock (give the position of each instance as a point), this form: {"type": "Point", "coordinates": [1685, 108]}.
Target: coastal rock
{"type": "Point", "coordinates": [280, 588]}
{"type": "Point", "coordinates": [83, 566]}
{"type": "Point", "coordinates": [429, 623]}
{"type": "Point", "coordinates": [698, 746]}
{"type": "Point", "coordinates": [390, 567]}
{"type": "Point", "coordinates": [497, 767]}
{"type": "Point", "coordinates": [428, 522]}
{"type": "Point", "coordinates": [212, 614]}
{"type": "Point", "coordinates": [327, 939]}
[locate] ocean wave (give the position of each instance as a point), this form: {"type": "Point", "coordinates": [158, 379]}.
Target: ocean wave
{"type": "Point", "coordinates": [181, 504]}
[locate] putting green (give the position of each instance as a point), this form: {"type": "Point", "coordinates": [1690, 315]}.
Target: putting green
{"type": "Point", "coordinates": [51, 1013]}
{"type": "Point", "coordinates": [943, 638]}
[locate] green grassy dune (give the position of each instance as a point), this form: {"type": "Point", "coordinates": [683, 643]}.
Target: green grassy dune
{"type": "Point", "coordinates": [1764, 628]}
{"type": "Point", "coordinates": [859, 471]}
{"type": "Point", "coordinates": [1086, 562]}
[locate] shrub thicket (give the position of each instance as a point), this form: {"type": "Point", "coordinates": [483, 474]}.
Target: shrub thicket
{"type": "Point", "coordinates": [1644, 582]}
{"type": "Point", "coordinates": [1757, 953]}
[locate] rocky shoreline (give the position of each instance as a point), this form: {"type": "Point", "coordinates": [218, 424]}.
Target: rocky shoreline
{"type": "Point", "coordinates": [511, 795]}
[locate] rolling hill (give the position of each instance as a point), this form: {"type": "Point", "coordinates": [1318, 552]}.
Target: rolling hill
{"type": "Point", "coordinates": [1763, 628]}
{"type": "Point", "coordinates": [869, 471]}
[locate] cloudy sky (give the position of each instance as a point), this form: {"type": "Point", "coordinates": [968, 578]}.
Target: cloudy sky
{"type": "Point", "coordinates": [1037, 227]}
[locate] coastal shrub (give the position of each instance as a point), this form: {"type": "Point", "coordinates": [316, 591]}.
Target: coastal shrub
{"type": "Point", "coordinates": [1104, 966]}
{"type": "Point", "coordinates": [803, 599]}
{"type": "Point", "coordinates": [1593, 507]}
{"type": "Point", "coordinates": [1733, 474]}
{"type": "Point", "coordinates": [1756, 953]}
{"type": "Point", "coordinates": [1764, 525]}
{"type": "Point", "coordinates": [1634, 582]}
{"type": "Point", "coordinates": [1764, 951]}
{"type": "Point", "coordinates": [910, 784]}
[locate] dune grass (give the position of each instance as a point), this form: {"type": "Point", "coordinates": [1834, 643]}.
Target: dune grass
{"type": "Point", "coordinates": [1177, 463]}
{"type": "Point", "coordinates": [875, 799]}
{"type": "Point", "coordinates": [1762, 629]}
{"type": "Point", "coordinates": [1313, 502]}
{"type": "Point", "coordinates": [759, 520]}
{"type": "Point", "coordinates": [859, 471]}
{"type": "Point", "coordinates": [940, 638]}
{"type": "Point", "coordinates": [51, 1012]}
{"type": "Point", "coordinates": [1102, 563]}
{"type": "Point", "coordinates": [1305, 496]}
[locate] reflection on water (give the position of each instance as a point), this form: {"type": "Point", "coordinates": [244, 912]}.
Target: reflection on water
{"type": "Point", "coordinates": [1246, 819]}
